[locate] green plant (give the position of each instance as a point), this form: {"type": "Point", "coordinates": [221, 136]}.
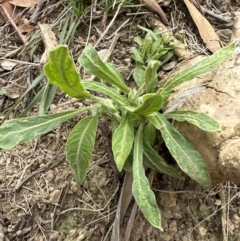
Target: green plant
{"type": "Point", "coordinates": [151, 47]}
{"type": "Point", "coordinates": [135, 119]}
{"type": "Point", "coordinates": [78, 6]}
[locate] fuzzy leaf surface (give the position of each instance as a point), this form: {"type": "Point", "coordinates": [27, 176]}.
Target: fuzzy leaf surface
{"type": "Point", "coordinates": [151, 103]}
{"type": "Point", "coordinates": [138, 75]}
{"type": "Point", "coordinates": [80, 145]}
{"type": "Point", "coordinates": [21, 130]}
{"type": "Point", "coordinates": [206, 65]}
{"type": "Point", "coordinates": [155, 162]}
{"type": "Point", "coordinates": [122, 141]}
{"type": "Point", "coordinates": [137, 55]}
{"type": "Point", "coordinates": [60, 71]}
{"type": "Point", "coordinates": [151, 76]}
{"type": "Point", "coordinates": [142, 193]}
{"type": "Point", "coordinates": [104, 89]}
{"type": "Point", "coordinates": [91, 62]}
{"type": "Point", "coordinates": [201, 120]}
{"type": "Point", "coordinates": [187, 157]}
{"type": "Point", "coordinates": [149, 133]}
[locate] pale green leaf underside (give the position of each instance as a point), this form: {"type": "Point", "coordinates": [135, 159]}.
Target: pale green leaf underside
{"type": "Point", "coordinates": [60, 71]}
{"type": "Point", "coordinates": [201, 120]}
{"type": "Point", "coordinates": [91, 62]}
{"type": "Point", "coordinates": [206, 65]}
{"type": "Point", "coordinates": [17, 131]}
{"type": "Point", "coordinates": [155, 162]}
{"type": "Point", "coordinates": [80, 145]}
{"type": "Point", "coordinates": [187, 157]}
{"type": "Point", "coordinates": [142, 193]}
{"type": "Point", "coordinates": [122, 141]}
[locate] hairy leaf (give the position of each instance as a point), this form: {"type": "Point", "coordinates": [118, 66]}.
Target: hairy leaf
{"type": "Point", "coordinates": [206, 65]}
{"type": "Point", "coordinates": [104, 89]}
{"type": "Point", "coordinates": [137, 55]}
{"type": "Point", "coordinates": [142, 193]}
{"type": "Point", "coordinates": [17, 131]}
{"type": "Point", "coordinates": [149, 133]}
{"type": "Point", "coordinates": [138, 75]}
{"type": "Point", "coordinates": [151, 76]}
{"type": "Point", "coordinates": [151, 103]}
{"type": "Point", "coordinates": [80, 145]}
{"type": "Point", "coordinates": [201, 120]}
{"type": "Point", "coordinates": [122, 141]}
{"type": "Point", "coordinates": [145, 48]}
{"type": "Point", "coordinates": [60, 70]}
{"type": "Point", "coordinates": [155, 162]}
{"type": "Point", "coordinates": [90, 60]}
{"type": "Point", "coordinates": [187, 157]}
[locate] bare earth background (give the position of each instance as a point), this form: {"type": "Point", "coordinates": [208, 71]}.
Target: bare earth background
{"type": "Point", "coordinates": [39, 199]}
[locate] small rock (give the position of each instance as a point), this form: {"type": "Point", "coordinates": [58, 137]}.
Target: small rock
{"type": "Point", "coordinates": [19, 232]}
{"type": "Point", "coordinates": [53, 197]}
{"type": "Point", "coordinates": [202, 231]}
{"type": "Point", "coordinates": [50, 175]}
{"type": "Point", "coordinates": [177, 215]}
{"type": "Point", "coordinates": [235, 219]}
{"type": "Point", "coordinates": [53, 107]}
{"type": "Point", "coordinates": [72, 232]}
{"type": "Point", "coordinates": [218, 202]}
{"type": "Point", "coordinates": [54, 235]}
{"type": "Point", "coordinates": [168, 200]}
{"type": "Point", "coordinates": [173, 227]}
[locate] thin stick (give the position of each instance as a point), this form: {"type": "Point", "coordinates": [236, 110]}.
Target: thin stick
{"type": "Point", "coordinates": [6, 14]}
{"type": "Point", "coordinates": [211, 14]}
{"type": "Point", "coordinates": [36, 13]}
{"type": "Point", "coordinates": [110, 24]}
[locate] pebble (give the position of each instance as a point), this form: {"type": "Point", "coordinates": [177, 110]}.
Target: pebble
{"type": "Point", "coordinates": [202, 231]}
{"type": "Point", "coordinates": [19, 232]}
{"type": "Point", "coordinates": [50, 175]}
{"type": "Point", "coordinates": [54, 236]}
{"type": "Point", "coordinates": [53, 197]}
{"type": "Point", "coordinates": [72, 232]}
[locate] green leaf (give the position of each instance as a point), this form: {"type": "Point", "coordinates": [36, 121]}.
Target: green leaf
{"type": "Point", "coordinates": [152, 160]}
{"type": "Point", "coordinates": [149, 133]}
{"type": "Point", "coordinates": [151, 33]}
{"type": "Point", "coordinates": [122, 141]}
{"type": "Point", "coordinates": [60, 70]}
{"type": "Point", "coordinates": [206, 65]}
{"type": "Point", "coordinates": [104, 89]}
{"type": "Point", "coordinates": [137, 55]}
{"type": "Point", "coordinates": [167, 56]}
{"type": "Point", "coordinates": [151, 103]}
{"type": "Point", "coordinates": [34, 83]}
{"type": "Point", "coordinates": [187, 157]}
{"type": "Point", "coordinates": [157, 46]}
{"type": "Point", "coordinates": [142, 193]}
{"type": "Point", "coordinates": [34, 101]}
{"type": "Point", "coordinates": [5, 92]}
{"type": "Point", "coordinates": [17, 131]}
{"type": "Point", "coordinates": [91, 62]}
{"type": "Point", "coordinates": [165, 94]}
{"type": "Point", "coordinates": [138, 40]}
{"type": "Point", "coordinates": [201, 120]}
{"type": "Point", "coordinates": [80, 145]}
{"type": "Point", "coordinates": [151, 76]}
{"type": "Point", "coordinates": [128, 163]}
{"type": "Point", "coordinates": [138, 75]}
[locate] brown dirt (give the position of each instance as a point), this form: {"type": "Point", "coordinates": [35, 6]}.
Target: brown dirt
{"type": "Point", "coordinates": [48, 205]}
